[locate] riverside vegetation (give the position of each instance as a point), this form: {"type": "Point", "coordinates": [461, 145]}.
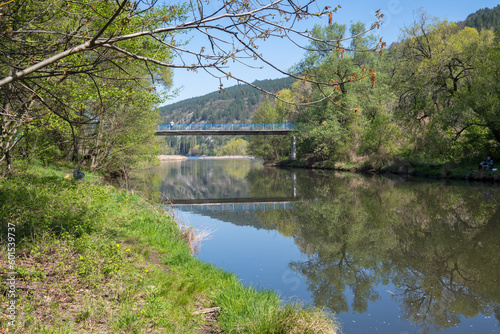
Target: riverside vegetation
{"type": "Point", "coordinates": [428, 104]}
{"type": "Point", "coordinates": [80, 84]}
{"type": "Point", "coordinates": [93, 258]}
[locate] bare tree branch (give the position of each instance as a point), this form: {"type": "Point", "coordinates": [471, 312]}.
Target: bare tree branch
{"type": "Point", "coordinates": [248, 25]}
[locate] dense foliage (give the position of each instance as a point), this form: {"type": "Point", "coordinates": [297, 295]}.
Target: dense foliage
{"type": "Point", "coordinates": [90, 103]}
{"type": "Point", "coordinates": [432, 97]}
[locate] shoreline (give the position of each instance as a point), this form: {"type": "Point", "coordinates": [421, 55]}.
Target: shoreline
{"type": "Point", "coordinates": [226, 157]}
{"type": "Point", "coordinates": [97, 255]}
{"type": "Point", "coordinates": [165, 157]}
{"type": "Point", "coordinates": [445, 171]}
{"type": "Point", "coordinates": [206, 157]}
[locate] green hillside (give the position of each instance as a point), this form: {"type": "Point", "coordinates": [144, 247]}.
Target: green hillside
{"type": "Point", "coordinates": [234, 104]}
{"type": "Point", "coordinates": [485, 18]}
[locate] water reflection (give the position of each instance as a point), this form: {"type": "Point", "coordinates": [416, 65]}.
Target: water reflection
{"type": "Point", "coordinates": [437, 245]}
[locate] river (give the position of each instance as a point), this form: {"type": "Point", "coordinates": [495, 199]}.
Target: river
{"type": "Point", "coordinates": [384, 254]}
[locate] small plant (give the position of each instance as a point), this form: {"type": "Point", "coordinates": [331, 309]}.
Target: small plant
{"type": "Point", "coordinates": [82, 316]}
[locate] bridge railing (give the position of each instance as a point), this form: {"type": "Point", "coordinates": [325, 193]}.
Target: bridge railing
{"type": "Point", "coordinates": [233, 207]}
{"type": "Point", "coordinates": [225, 126]}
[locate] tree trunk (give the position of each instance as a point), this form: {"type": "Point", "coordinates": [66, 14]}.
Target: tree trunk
{"type": "Point", "coordinates": [97, 150]}
{"type": "Point", "coordinates": [5, 135]}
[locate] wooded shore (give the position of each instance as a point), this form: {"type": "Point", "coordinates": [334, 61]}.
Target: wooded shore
{"type": "Point", "coordinates": [452, 171]}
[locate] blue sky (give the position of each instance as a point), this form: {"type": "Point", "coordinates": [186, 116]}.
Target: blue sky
{"type": "Point", "coordinates": [398, 13]}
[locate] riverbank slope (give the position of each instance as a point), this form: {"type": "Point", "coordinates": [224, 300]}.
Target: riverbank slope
{"type": "Point", "coordinates": [447, 170]}
{"type": "Point", "coordinates": [87, 257]}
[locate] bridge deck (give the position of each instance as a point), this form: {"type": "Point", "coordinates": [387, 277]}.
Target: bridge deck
{"type": "Point", "coordinates": [221, 129]}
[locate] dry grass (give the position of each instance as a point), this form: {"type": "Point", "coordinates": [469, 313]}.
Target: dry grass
{"type": "Point", "coordinates": [311, 321]}
{"type": "Point", "coordinates": [54, 291]}
{"type": "Point", "coordinates": [194, 237]}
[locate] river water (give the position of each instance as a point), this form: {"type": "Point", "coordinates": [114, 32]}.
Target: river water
{"type": "Point", "coordinates": [384, 254]}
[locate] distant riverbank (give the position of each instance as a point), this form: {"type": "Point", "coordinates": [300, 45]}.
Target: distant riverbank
{"type": "Point", "coordinates": [172, 157]}
{"type": "Point", "coordinates": [229, 157]}
{"type": "Point", "coordinates": [449, 170]}
{"type": "Point", "coordinates": [183, 157]}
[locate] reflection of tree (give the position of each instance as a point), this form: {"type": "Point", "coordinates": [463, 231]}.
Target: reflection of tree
{"type": "Point", "coordinates": [270, 182]}
{"type": "Point", "coordinates": [438, 245]}
{"type": "Point", "coordinates": [276, 183]}
{"type": "Point", "coordinates": [196, 179]}
{"type": "Point", "coordinates": [446, 269]}
{"type": "Point", "coordinates": [341, 239]}
{"type": "Point", "coordinates": [284, 221]}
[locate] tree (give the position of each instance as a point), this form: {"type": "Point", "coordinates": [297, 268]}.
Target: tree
{"type": "Point", "coordinates": [67, 84]}
{"type": "Point", "coordinates": [234, 147]}
{"type": "Point", "coordinates": [47, 41]}
{"type": "Point", "coordinates": [439, 66]}
{"type": "Point", "coordinates": [272, 148]}
{"type": "Point", "coordinates": [483, 96]}
{"type": "Point", "coordinates": [332, 129]}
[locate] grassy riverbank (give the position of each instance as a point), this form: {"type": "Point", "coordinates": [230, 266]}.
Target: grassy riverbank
{"type": "Point", "coordinates": [90, 258]}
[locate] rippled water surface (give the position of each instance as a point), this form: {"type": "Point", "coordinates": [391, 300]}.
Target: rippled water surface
{"type": "Point", "coordinates": [384, 254]}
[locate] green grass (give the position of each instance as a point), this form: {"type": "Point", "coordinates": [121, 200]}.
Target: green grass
{"type": "Point", "coordinates": [92, 258]}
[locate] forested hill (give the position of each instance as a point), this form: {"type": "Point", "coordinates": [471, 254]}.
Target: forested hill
{"type": "Point", "coordinates": [485, 18]}
{"type": "Point", "coordinates": [233, 104]}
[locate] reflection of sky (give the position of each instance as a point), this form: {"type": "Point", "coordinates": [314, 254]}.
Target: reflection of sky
{"type": "Point", "coordinates": [260, 258]}
{"type": "Point", "coordinates": [384, 316]}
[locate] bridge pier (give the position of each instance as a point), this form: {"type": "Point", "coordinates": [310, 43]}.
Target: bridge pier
{"type": "Point", "coordinates": [293, 153]}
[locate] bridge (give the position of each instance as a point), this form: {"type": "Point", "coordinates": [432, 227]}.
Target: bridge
{"type": "Point", "coordinates": [222, 129]}
{"type": "Point", "coordinates": [228, 129]}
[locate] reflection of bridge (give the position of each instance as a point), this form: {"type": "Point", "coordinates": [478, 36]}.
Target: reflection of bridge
{"type": "Point", "coordinates": [230, 200]}
{"type": "Point", "coordinates": [226, 129]}
{"type": "Point", "coordinates": [237, 204]}
{"type": "Point", "coordinates": [233, 205]}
